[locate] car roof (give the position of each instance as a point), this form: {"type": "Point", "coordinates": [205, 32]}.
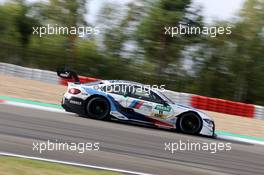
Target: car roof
{"type": "Point", "coordinates": [121, 82]}
{"type": "Point", "coordinates": [110, 82]}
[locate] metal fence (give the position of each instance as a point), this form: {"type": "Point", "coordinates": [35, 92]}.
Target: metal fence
{"type": "Point", "coordinates": [29, 73]}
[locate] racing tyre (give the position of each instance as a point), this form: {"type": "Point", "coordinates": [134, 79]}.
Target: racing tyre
{"type": "Point", "coordinates": [98, 108]}
{"type": "Point", "coordinates": [190, 123]}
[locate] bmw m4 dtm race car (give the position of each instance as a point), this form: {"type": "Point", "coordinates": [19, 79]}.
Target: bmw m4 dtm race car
{"type": "Point", "coordinates": [134, 102]}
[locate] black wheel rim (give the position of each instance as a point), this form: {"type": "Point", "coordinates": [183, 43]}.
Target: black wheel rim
{"type": "Point", "coordinates": [98, 108]}
{"type": "Point", "coordinates": [190, 124]}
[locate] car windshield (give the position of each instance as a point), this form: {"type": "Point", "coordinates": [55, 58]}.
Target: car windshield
{"type": "Point", "coordinates": [162, 94]}
{"type": "Point", "coordinates": [93, 83]}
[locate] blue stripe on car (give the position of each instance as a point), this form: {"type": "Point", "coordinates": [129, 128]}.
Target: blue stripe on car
{"type": "Point", "coordinates": [115, 106]}
{"type": "Point", "coordinates": [106, 95]}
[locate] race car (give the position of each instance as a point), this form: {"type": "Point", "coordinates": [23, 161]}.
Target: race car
{"type": "Point", "coordinates": [134, 102]}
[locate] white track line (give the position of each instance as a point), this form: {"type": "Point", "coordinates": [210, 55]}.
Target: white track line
{"type": "Point", "coordinates": [73, 164]}
{"type": "Point", "coordinates": [32, 106]}
{"type": "Point", "coordinates": [233, 138]}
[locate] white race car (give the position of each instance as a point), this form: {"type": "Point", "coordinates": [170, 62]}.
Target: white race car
{"type": "Point", "coordinates": [133, 102]}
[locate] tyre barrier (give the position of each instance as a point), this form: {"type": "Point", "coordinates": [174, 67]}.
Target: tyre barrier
{"type": "Point", "coordinates": [223, 106]}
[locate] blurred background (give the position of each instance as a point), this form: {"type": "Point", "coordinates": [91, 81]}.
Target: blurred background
{"type": "Point", "coordinates": [132, 45]}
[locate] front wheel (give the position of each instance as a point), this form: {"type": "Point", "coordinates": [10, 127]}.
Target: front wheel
{"type": "Point", "coordinates": [190, 123]}
{"type": "Point", "coordinates": [98, 108]}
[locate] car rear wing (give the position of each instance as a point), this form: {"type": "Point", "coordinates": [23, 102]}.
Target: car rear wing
{"type": "Point", "coordinates": [67, 74]}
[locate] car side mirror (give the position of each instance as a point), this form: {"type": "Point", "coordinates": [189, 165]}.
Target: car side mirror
{"type": "Point", "coordinates": [165, 103]}
{"type": "Point", "coordinates": [125, 95]}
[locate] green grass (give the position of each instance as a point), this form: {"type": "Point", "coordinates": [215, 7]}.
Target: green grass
{"type": "Point", "coordinates": [19, 166]}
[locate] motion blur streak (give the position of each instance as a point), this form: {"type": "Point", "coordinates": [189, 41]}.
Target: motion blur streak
{"type": "Point", "coordinates": [132, 44]}
{"type": "Point", "coordinates": [121, 146]}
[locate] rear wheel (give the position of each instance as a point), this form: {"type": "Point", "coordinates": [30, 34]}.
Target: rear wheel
{"type": "Point", "coordinates": [190, 123]}
{"type": "Point", "coordinates": [98, 108]}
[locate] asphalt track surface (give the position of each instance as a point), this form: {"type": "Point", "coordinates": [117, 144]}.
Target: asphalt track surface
{"type": "Point", "coordinates": [122, 146]}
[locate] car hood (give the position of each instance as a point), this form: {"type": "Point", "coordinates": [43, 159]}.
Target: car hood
{"type": "Point", "coordinates": [188, 108]}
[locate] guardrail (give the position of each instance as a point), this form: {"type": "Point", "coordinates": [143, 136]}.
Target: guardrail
{"type": "Point", "coordinates": [33, 74]}
{"type": "Point", "coordinates": [200, 102]}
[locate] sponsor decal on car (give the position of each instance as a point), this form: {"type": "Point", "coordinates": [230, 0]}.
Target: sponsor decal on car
{"type": "Point", "coordinates": [146, 107]}
{"type": "Point", "coordinates": [75, 102]}
{"type": "Point", "coordinates": [163, 108]}
{"type": "Point", "coordinates": [159, 115]}
{"type": "Point", "coordinates": [136, 104]}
